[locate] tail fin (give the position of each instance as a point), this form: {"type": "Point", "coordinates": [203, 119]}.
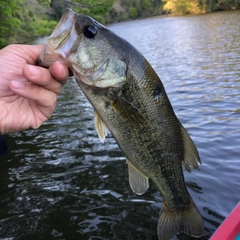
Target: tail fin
{"type": "Point", "coordinates": [188, 221]}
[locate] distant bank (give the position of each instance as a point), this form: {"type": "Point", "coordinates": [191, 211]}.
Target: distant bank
{"type": "Point", "coordinates": [22, 21]}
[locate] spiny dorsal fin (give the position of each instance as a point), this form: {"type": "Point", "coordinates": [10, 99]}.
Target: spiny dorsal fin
{"type": "Point", "coordinates": [139, 183]}
{"type": "Point", "coordinates": [191, 156]}
{"type": "Point", "coordinates": [100, 126]}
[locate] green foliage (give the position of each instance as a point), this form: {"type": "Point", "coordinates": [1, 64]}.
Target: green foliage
{"type": "Point", "coordinates": [44, 2]}
{"type": "Point", "coordinates": [180, 7]}
{"type": "Point", "coordinates": [22, 21]}
{"type": "Point", "coordinates": [9, 20]}
{"type": "Point", "coordinates": [216, 5]}
{"type": "Point", "coordinates": [183, 7]}
{"type": "Point", "coordinates": [137, 9]}
{"type": "Point", "coordinates": [228, 4]}
{"type": "Point", "coordinates": [146, 4]}
{"type": "Point", "coordinates": [43, 27]}
{"type": "Point", "coordinates": [98, 9]}
{"type": "Point", "coordinates": [133, 12]}
{"type": "Point", "coordinates": [202, 4]}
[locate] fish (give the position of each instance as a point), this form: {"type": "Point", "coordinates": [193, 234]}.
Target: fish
{"type": "Point", "coordinates": [131, 103]}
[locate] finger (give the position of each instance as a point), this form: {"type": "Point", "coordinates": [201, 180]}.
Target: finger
{"type": "Point", "coordinates": [29, 53]}
{"type": "Point", "coordinates": [42, 77]}
{"type": "Point", "coordinates": [60, 72]}
{"type": "Point", "coordinates": [42, 97]}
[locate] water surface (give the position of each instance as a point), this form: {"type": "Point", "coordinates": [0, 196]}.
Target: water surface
{"type": "Point", "coordinates": [61, 182]}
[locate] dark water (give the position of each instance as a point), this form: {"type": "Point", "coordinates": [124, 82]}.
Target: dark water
{"type": "Point", "coordinates": [60, 182]}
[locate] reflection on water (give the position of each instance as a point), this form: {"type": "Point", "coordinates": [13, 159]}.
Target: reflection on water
{"type": "Point", "coordinates": [60, 182]}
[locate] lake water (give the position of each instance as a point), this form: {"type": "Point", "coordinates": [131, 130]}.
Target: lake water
{"type": "Point", "coordinates": [61, 182]}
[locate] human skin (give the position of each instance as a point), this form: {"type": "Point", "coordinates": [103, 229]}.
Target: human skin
{"type": "Point", "coordinates": [28, 93]}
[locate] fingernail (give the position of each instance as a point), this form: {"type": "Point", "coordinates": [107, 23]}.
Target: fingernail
{"type": "Point", "coordinates": [34, 70]}
{"type": "Point", "coordinates": [17, 84]}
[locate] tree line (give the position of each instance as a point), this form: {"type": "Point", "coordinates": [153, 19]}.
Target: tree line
{"type": "Point", "coordinates": [22, 21]}
{"type": "Point", "coordinates": [181, 7]}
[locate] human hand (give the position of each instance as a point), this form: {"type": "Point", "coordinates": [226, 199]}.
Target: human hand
{"type": "Point", "coordinates": [28, 93]}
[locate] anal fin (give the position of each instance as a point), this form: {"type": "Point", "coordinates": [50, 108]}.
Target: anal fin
{"type": "Point", "coordinates": [139, 183]}
{"type": "Point", "coordinates": [100, 126]}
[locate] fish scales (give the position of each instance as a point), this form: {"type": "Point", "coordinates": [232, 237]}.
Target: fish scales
{"type": "Point", "coordinates": [146, 148]}
{"type": "Point", "coordinates": [129, 99]}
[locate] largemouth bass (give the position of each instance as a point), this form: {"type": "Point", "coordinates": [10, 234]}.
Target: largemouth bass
{"type": "Point", "coordinates": [130, 101]}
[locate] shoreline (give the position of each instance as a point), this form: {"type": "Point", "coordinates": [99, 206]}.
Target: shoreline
{"type": "Point", "coordinates": [170, 15]}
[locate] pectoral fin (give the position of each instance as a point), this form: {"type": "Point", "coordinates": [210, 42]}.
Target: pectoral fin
{"type": "Point", "coordinates": [191, 156]}
{"type": "Point", "coordinates": [127, 111]}
{"type": "Point", "coordinates": [100, 126]}
{"type": "Point", "coordinates": [139, 183]}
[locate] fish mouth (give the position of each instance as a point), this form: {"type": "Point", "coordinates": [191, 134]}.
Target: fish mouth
{"type": "Point", "coordinates": [62, 41]}
{"type": "Point", "coordinates": [68, 44]}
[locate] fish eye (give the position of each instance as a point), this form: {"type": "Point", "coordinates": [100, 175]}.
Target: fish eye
{"type": "Point", "coordinates": [90, 31]}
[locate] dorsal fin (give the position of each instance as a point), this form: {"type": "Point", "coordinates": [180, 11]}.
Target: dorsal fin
{"type": "Point", "coordinates": [100, 126]}
{"type": "Point", "coordinates": [139, 183]}
{"type": "Point", "coordinates": [191, 156]}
